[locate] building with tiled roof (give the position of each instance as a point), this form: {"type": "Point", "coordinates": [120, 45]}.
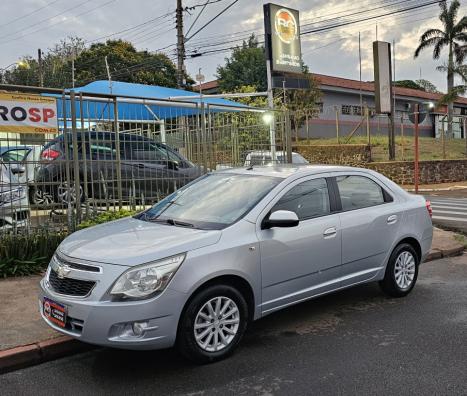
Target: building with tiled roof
{"type": "Point", "coordinates": [340, 110]}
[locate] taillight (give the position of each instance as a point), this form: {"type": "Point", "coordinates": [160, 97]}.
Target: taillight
{"type": "Point", "coordinates": [50, 154]}
{"type": "Point", "coordinates": [428, 207]}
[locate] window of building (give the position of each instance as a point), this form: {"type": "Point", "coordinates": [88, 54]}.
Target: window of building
{"type": "Point", "coordinates": [359, 192]}
{"type": "Point", "coordinates": [357, 110]}
{"type": "Point", "coordinates": [308, 199]}
{"type": "Point", "coordinates": [346, 109]}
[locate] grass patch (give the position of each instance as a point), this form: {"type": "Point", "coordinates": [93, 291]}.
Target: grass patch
{"type": "Point", "coordinates": [462, 239]}
{"type": "Point", "coordinates": [430, 148]}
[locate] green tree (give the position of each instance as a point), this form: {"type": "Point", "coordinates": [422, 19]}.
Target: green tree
{"type": "Point", "coordinates": [245, 67]}
{"type": "Point", "coordinates": [407, 84]}
{"type": "Point", "coordinates": [125, 63]}
{"type": "Point", "coordinates": [56, 65]}
{"type": "Point", "coordinates": [454, 37]}
{"type": "Point", "coordinates": [427, 86]}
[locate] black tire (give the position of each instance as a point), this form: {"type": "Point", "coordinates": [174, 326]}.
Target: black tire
{"type": "Point", "coordinates": [186, 341]}
{"type": "Point", "coordinates": [389, 284]}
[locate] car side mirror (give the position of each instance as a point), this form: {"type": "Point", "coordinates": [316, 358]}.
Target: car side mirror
{"type": "Point", "coordinates": [281, 218]}
{"type": "Point", "coordinates": [17, 169]}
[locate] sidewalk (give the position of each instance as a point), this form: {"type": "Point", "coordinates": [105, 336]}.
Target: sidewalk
{"type": "Point", "coordinates": [437, 187]}
{"type": "Point", "coordinates": [25, 339]}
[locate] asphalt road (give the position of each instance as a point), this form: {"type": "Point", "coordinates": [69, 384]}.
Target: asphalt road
{"type": "Point", "coordinates": [449, 212]}
{"type": "Point", "coordinates": [353, 342]}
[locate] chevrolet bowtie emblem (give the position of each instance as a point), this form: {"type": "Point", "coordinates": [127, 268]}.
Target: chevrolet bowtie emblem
{"type": "Point", "coordinates": [62, 271]}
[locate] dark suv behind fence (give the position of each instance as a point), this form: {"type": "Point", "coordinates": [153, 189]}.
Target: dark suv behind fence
{"type": "Point", "coordinates": [146, 170]}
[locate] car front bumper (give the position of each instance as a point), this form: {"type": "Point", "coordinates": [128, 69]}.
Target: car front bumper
{"type": "Point", "coordinates": [109, 323]}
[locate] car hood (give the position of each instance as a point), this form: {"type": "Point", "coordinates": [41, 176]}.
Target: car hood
{"type": "Point", "coordinates": [131, 242]}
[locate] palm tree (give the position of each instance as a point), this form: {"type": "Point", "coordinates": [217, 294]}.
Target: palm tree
{"type": "Point", "coordinates": [454, 36]}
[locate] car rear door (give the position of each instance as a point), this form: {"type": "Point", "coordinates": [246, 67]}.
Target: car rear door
{"type": "Point", "coordinates": [301, 261]}
{"type": "Point", "coordinates": [370, 219]}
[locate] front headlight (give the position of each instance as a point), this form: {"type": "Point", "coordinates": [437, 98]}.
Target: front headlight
{"type": "Point", "coordinates": [146, 279]}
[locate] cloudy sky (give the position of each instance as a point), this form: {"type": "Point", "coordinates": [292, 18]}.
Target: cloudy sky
{"type": "Point", "coordinates": [26, 25]}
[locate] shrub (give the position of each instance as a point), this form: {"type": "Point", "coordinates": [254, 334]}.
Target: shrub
{"type": "Point", "coordinates": [27, 254]}
{"type": "Point", "coordinates": [104, 217]}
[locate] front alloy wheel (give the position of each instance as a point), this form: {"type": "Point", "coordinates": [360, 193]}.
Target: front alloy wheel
{"type": "Point", "coordinates": [216, 324]}
{"type": "Point", "coordinates": [212, 324]}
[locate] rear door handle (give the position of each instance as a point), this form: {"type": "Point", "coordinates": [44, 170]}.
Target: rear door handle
{"type": "Point", "coordinates": [392, 219]}
{"type": "Point", "coordinates": [330, 232]}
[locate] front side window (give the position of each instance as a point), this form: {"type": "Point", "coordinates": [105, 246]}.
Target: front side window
{"type": "Point", "coordinates": [359, 192]}
{"type": "Point", "coordinates": [214, 201]}
{"type": "Point", "coordinates": [308, 199]}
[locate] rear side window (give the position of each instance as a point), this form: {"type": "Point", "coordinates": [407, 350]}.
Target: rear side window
{"type": "Point", "coordinates": [359, 192]}
{"type": "Point", "coordinates": [308, 199]}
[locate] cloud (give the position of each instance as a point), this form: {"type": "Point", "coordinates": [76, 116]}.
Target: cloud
{"type": "Point", "coordinates": [332, 52]}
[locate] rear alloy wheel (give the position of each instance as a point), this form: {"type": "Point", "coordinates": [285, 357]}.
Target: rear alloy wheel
{"type": "Point", "coordinates": [212, 324]}
{"type": "Point", "coordinates": [68, 195]}
{"type": "Point", "coordinates": [401, 272]}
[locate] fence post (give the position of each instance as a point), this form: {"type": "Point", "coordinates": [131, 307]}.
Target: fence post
{"type": "Point", "coordinates": [288, 136]}
{"type": "Point", "coordinates": [84, 157]}
{"type": "Point", "coordinates": [74, 142]}
{"type": "Point", "coordinates": [70, 217]}
{"type": "Point", "coordinates": [162, 130]}
{"type": "Point", "coordinates": [402, 136]}
{"type": "Point", "coordinates": [117, 154]}
{"type": "Point", "coordinates": [337, 124]}
{"type": "Point", "coordinates": [203, 138]}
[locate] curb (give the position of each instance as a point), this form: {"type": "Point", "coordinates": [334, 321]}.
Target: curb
{"type": "Point", "coordinates": [437, 253]}
{"type": "Point", "coordinates": [40, 352]}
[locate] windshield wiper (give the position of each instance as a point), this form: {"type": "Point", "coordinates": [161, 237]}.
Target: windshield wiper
{"type": "Point", "coordinates": [171, 222]}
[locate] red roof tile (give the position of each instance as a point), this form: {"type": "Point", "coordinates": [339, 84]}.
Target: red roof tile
{"type": "Point", "coordinates": [340, 82]}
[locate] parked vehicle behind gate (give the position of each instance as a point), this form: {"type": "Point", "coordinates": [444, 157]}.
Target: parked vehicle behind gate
{"type": "Point", "coordinates": [14, 206]}
{"type": "Point", "coordinates": [231, 247]}
{"type": "Point", "coordinates": [22, 161]}
{"type": "Point", "coordinates": [147, 169]}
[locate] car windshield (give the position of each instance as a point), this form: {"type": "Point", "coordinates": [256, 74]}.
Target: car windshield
{"type": "Point", "coordinates": [214, 201]}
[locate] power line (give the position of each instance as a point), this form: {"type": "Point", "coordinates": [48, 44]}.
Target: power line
{"type": "Point", "coordinates": [130, 28]}
{"type": "Point", "coordinates": [211, 20]}
{"type": "Point", "coordinates": [29, 13]}
{"type": "Point", "coordinates": [46, 19]}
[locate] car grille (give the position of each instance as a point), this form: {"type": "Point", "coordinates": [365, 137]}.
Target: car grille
{"type": "Point", "coordinates": [78, 266]}
{"type": "Point", "coordinates": [69, 286]}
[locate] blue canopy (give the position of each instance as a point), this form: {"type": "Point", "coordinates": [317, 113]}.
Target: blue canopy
{"type": "Point", "coordinates": [99, 110]}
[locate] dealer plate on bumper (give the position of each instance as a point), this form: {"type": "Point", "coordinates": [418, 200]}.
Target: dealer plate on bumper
{"type": "Point", "coordinates": [54, 311]}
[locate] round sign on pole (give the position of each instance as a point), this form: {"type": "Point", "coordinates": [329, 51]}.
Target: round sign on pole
{"type": "Point", "coordinates": [422, 112]}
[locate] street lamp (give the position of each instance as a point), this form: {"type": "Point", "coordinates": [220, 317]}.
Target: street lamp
{"type": "Point", "coordinates": [20, 63]}
{"type": "Point", "coordinates": [267, 118]}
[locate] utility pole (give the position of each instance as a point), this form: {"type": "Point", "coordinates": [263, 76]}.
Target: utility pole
{"type": "Point", "coordinates": [180, 45]}
{"type": "Point", "coordinates": [41, 71]}
{"type": "Point", "coordinates": [108, 74]}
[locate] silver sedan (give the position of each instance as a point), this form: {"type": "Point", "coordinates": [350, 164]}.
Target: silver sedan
{"type": "Point", "coordinates": [232, 247]}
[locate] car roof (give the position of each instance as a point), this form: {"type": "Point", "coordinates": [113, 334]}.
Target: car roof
{"type": "Point", "coordinates": [286, 170]}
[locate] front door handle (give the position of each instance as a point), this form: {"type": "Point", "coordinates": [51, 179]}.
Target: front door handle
{"type": "Point", "coordinates": [392, 219]}
{"type": "Point", "coordinates": [330, 232]}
